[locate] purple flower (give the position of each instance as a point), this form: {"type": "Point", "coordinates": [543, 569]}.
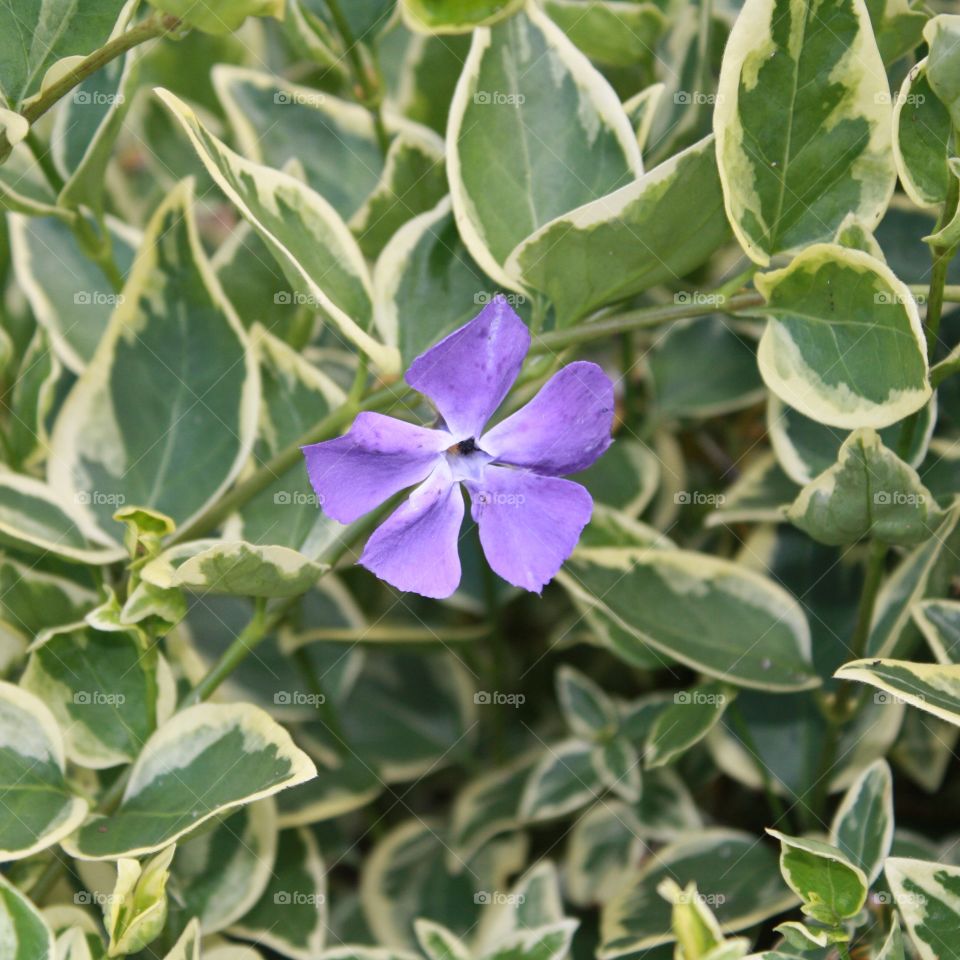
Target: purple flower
{"type": "Point", "coordinates": [529, 518]}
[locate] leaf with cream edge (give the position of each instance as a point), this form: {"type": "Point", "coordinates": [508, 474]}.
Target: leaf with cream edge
{"type": "Point", "coordinates": [743, 629]}
{"type": "Point", "coordinates": [39, 807]}
{"type": "Point", "coordinates": [528, 101]}
{"type": "Point", "coordinates": [107, 690]}
{"type": "Point", "coordinates": [70, 295]}
{"type": "Point", "coordinates": [35, 519]}
{"type": "Point", "coordinates": [187, 946]}
{"type": "Point", "coordinates": [165, 413]}
{"type": "Point", "coordinates": [831, 887]}
{"type": "Point", "coordinates": [290, 916]}
{"type": "Point", "coordinates": [638, 918]}
{"type": "Point", "coordinates": [843, 344]}
{"type": "Point", "coordinates": [234, 567]}
{"type": "Point", "coordinates": [655, 230]}
{"type": "Point", "coordinates": [205, 761]}
{"type": "Point", "coordinates": [862, 827]}
{"type": "Point", "coordinates": [641, 109]}
{"type": "Point", "coordinates": [869, 492]}
{"type": "Point", "coordinates": [921, 139]}
{"type": "Point", "coordinates": [306, 235]}
{"type": "Point", "coordinates": [618, 34]}
{"type": "Point", "coordinates": [933, 687]}
{"type": "Point", "coordinates": [221, 873]}
{"type": "Point", "coordinates": [926, 897]}
{"type": "Point", "coordinates": [26, 935]}
{"type": "Point", "coordinates": [939, 622]}
{"type": "Point", "coordinates": [802, 121]}
{"type": "Point", "coordinates": [685, 722]}
{"type": "Point", "coordinates": [534, 901]}
{"type": "Point", "coordinates": [564, 780]}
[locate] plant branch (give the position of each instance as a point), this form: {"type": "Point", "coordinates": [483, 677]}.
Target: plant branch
{"type": "Point", "coordinates": [156, 25]}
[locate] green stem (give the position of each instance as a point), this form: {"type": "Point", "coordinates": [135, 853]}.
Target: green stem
{"type": "Point", "coordinates": [742, 730]}
{"type": "Point", "coordinates": [156, 25]}
{"type": "Point", "coordinates": [645, 317]}
{"type": "Point", "coordinates": [42, 155]}
{"type": "Point", "coordinates": [369, 86]}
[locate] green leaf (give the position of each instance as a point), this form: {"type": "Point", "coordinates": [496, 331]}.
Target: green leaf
{"type": "Point", "coordinates": [869, 492]}
{"type": "Point", "coordinates": [685, 722]}
{"type": "Point", "coordinates": [339, 787]}
{"type": "Point", "coordinates": [291, 914]}
{"type": "Point", "coordinates": [33, 600]}
{"type": "Point", "coordinates": [831, 887]}
{"type": "Point", "coordinates": [205, 761]}
{"type": "Point", "coordinates": [533, 902]}
{"type": "Point", "coordinates": [164, 415]}
{"type": "Point", "coordinates": [942, 34]}
{"type": "Point", "coordinates": [564, 780]}
{"type": "Point", "coordinates": [413, 182]}
{"type": "Point", "coordinates": [334, 140]}
{"type": "Point", "coordinates": [893, 946]}
{"type": "Point", "coordinates": [36, 519]}
{"type": "Point", "coordinates": [529, 102]}
{"type": "Point", "coordinates": [550, 942]}
{"type": "Point", "coordinates": [844, 344]}
{"type": "Point", "coordinates": [69, 294]}
{"type": "Point", "coordinates": [806, 448]}
{"type": "Point", "coordinates": [295, 394]}
{"type": "Point", "coordinates": [33, 397]}
{"type": "Point", "coordinates": [926, 897]}
{"type": "Point", "coordinates": [625, 478]}
{"type": "Point", "coordinates": [742, 628]}
{"type": "Point", "coordinates": [455, 16]}
{"type": "Point", "coordinates": [37, 33]}
{"type": "Point", "coordinates": [39, 805]}
{"type": "Point", "coordinates": [26, 935]}
{"type": "Point", "coordinates": [601, 850]}
{"type": "Point", "coordinates": [233, 567]}
{"type": "Point", "coordinates": [761, 494]}
{"type": "Point", "coordinates": [898, 26]}
{"type": "Point", "coordinates": [405, 878]}
{"type": "Point", "coordinates": [219, 874]}
{"type": "Point", "coordinates": [425, 282]}
{"type": "Point", "coordinates": [641, 109]}
{"type": "Point", "coordinates": [932, 687]}
{"type": "Point", "coordinates": [862, 828]}
{"type": "Point", "coordinates": [621, 35]}
{"type": "Point", "coordinates": [925, 572]}
{"type": "Point", "coordinates": [487, 806]}
{"type": "Point", "coordinates": [136, 911]}
{"type": "Point", "coordinates": [306, 235]}
{"type": "Point", "coordinates": [104, 688]}
{"type": "Point", "coordinates": [187, 946]}
{"type": "Point", "coordinates": [587, 710]}
{"type": "Point", "coordinates": [921, 139]}
{"type": "Point", "coordinates": [939, 621]}
{"type": "Point", "coordinates": [702, 368]}
{"type": "Point", "coordinates": [638, 918]}
{"type": "Point", "coordinates": [618, 767]}
{"type": "Point", "coordinates": [802, 90]}
{"type": "Point", "coordinates": [659, 227]}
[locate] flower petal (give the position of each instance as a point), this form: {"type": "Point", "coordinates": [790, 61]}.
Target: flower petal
{"type": "Point", "coordinates": [529, 524]}
{"type": "Point", "coordinates": [468, 373]}
{"type": "Point", "coordinates": [415, 549]}
{"type": "Point", "coordinates": [563, 429]}
{"type": "Point", "coordinates": [378, 457]}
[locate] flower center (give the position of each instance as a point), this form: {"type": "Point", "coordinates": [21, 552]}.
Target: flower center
{"type": "Point", "coordinates": [464, 447]}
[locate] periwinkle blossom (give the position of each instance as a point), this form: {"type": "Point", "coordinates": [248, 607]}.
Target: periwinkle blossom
{"type": "Point", "coordinates": [529, 518]}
